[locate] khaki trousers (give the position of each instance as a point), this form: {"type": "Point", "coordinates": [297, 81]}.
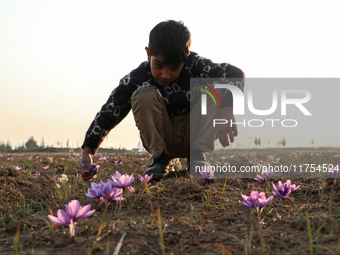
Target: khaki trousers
{"type": "Point", "coordinates": [177, 135]}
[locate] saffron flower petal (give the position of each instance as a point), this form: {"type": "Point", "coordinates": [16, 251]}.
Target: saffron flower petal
{"type": "Point", "coordinates": [57, 221]}
{"type": "Point", "coordinates": [72, 208]}
{"type": "Point", "coordinates": [84, 212]}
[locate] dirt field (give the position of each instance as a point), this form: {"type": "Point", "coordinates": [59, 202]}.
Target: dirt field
{"type": "Point", "coordinates": [178, 215]}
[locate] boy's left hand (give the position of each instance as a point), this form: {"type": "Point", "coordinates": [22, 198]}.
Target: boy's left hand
{"type": "Point", "coordinates": [225, 132]}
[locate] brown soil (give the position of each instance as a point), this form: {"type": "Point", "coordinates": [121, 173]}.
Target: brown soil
{"type": "Point", "coordinates": [197, 217]}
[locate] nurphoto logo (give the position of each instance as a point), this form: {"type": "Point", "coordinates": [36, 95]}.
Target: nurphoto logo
{"type": "Point", "coordinates": [239, 104]}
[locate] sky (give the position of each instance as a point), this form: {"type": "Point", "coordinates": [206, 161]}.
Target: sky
{"type": "Point", "coordinates": [60, 60]}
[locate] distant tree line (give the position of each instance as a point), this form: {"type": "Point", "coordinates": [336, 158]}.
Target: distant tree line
{"type": "Point", "coordinates": [282, 142]}
{"type": "Point", "coordinates": [31, 145]}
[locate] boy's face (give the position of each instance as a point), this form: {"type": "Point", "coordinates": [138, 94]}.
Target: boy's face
{"type": "Point", "coordinates": [163, 73]}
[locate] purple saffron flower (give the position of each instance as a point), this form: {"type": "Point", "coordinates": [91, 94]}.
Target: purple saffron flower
{"type": "Point", "coordinates": [207, 173]}
{"type": "Point", "coordinates": [104, 192]}
{"type": "Point", "coordinates": [17, 168]}
{"type": "Point", "coordinates": [100, 191]}
{"type": "Point", "coordinates": [147, 178]}
{"type": "Point", "coordinates": [36, 175]}
{"type": "Point", "coordinates": [95, 190]}
{"type": "Point", "coordinates": [10, 159]}
{"type": "Point", "coordinates": [131, 189]}
{"type": "Point", "coordinates": [334, 171]}
{"type": "Point", "coordinates": [116, 194]}
{"type": "Point", "coordinates": [55, 177]}
{"type": "Point", "coordinates": [102, 159]}
{"type": "Point", "coordinates": [283, 190]}
{"type": "Point", "coordinates": [94, 168]}
{"type": "Point", "coordinates": [73, 212]}
{"type": "Point", "coordinates": [264, 175]}
{"type": "Point", "coordinates": [46, 167]}
{"type": "Point", "coordinates": [256, 200]}
{"type": "Point", "coordinates": [121, 181]}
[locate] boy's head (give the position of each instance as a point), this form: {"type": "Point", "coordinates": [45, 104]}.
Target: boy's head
{"type": "Point", "coordinates": [172, 40]}
{"type": "Point", "coordinates": [169, 48]}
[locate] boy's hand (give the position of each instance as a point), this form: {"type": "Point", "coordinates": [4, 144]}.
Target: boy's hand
{"type": "Point", "coordinates": [225, 132]}
{"type": "Point", "coordinates": [85, 163]}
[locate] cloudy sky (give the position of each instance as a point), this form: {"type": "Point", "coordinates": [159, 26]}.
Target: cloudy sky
{"type": "Point", "coordinates": [59, 60]}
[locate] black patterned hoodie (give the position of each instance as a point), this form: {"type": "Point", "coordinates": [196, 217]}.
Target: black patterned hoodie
{"type": "Point", "coordinates": [176, 95]}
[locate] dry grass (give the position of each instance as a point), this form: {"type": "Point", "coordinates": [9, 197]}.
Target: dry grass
{"type": "Point", "coordinates": [177, 215]}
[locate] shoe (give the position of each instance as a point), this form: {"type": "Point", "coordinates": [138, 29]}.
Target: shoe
{"type": "Point", "coordinates": [196, 160]}
{"type": "Point", "coordinates": [158, 165]}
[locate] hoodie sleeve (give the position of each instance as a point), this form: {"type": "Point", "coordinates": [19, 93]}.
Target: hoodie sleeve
{"type": "Point", "coordinates": [116, 108]}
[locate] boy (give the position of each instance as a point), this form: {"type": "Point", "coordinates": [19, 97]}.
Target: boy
{"type": "Point", "coordinates": [158, 92]}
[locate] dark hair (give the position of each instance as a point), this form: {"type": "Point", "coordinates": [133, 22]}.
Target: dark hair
{"type": "Point", "coordinates": [172, 40]}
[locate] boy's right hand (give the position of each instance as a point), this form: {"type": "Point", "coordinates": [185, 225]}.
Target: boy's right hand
{"type": "Point", "coordinates": [226, 133]}
{"type": "Point", "coordinates": [85, 163]}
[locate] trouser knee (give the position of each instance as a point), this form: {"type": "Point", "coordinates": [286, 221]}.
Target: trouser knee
{"type": "Point", "coordinates": [145, 94]}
